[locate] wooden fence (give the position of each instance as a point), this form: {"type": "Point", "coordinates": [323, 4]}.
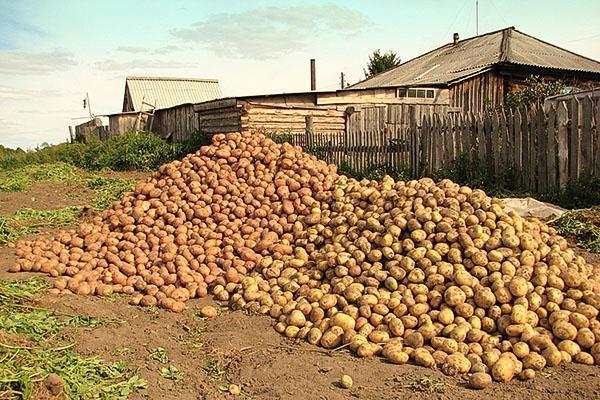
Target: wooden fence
{"type": "Point", "coordinates": [543, 150]}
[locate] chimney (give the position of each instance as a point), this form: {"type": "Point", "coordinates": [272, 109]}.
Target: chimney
{"type": "Point", "coordinates": [455, 38]}
{"type": "Point", "coordinates": [313, 75]}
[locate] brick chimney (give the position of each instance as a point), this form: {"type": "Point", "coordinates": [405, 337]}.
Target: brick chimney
{"type": "Point", "coordinates": [455, 38]}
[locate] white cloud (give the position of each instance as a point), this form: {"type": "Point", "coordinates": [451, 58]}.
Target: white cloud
{"type": "Point", "coordinates": [26, 63]}
{"type": "Point", "coordinates": [24, 94]}
{"type": "Point", "coordinates": [131, 49]}
{"type": "Point", "coordinates": [138, 64]}
{"type": "Point", "coordinates": [270, 32]}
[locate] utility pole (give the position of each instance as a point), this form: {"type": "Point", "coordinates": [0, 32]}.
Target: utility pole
{"type": "Point", "coordinates": [342, 80]}
{"type": "Point", "coordinates": [477, 17]}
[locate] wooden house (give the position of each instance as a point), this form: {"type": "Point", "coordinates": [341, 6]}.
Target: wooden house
{"type": "Point", "coordinates": [477, 72]}
{"type": "Point", "coordinates": [461, 76]}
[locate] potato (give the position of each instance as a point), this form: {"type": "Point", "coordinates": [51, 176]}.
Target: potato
{"type": "Point", "coordinates": [208, 312]}
{"type": "Point", "coordinates": [456, 363]}
{"type": "Point", "coordinates": [296, 318]}
{"type": "Point", "coordinates": [480, 380]}
{"type": "Point", "coordinates": [503, 370]}
{"type": "Point", "coordinates": [344, 321]}
{"type": "Point", "coordinates": [534, 361]}
{"type": "Point", "coordinates": [423, 358]}
{"type": "Point", "coordinates": [564, 330]}
{"type": "Point", "coordinates": [346, 381]}
{"type": "Point", "coordinates": [397, 356]}
{"type": "Point", "coordinates": [332, 338]}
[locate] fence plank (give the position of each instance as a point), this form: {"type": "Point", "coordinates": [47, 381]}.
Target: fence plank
{"type": "Point", "coordinates": [562, 117]}
{"type": "Point", "coordinates": [542, 151]}
{"type": "Point", "coordinates": [526, 142]}
{"type": "Point", "coordinates": [551, 149]}
{"type": "Point", "coordinates": [574, 141]}
{"type": "Point", "coordinates": [518, 145]}
{"type": "Point", "coordinates": [597, 140]}
{"type": "Point", "coordinates": [587, 161]}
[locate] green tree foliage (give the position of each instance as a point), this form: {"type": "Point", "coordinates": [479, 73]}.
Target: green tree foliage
{"type": "Point", "coordinates": [534, 92]}
{"type": "Point", "coordinates": [381, 62]}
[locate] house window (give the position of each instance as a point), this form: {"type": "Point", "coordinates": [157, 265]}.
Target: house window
{"type": "Point", "coordinates": [416, 93]}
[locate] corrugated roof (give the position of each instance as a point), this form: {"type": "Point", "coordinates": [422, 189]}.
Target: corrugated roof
{"type": "Point", "coordinates": [451, 62]}
{"type": "Point", "coordinates": [169, 92]}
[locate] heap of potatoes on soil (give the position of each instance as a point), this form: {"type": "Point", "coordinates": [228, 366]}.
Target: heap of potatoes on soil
{"type": "Point", "coordinates": [435, 273]}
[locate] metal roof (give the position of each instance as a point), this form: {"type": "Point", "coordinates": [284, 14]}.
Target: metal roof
{"type": "Point", "coordinates": [169, 92]}
{"type": "Point", "coordinates": [468, 57]}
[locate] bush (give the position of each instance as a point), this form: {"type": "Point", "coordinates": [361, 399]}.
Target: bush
{"type": "Point", "coordinates": [143, 151]}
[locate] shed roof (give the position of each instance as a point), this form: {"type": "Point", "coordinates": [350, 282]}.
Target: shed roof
{"type": "Point", "coordinates": [169, 92]}
{"type": "Point", "coordinates": [453, 62]}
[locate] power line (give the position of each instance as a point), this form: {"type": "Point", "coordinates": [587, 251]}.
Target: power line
{"type": "Point", "coordinates": [583, 38]}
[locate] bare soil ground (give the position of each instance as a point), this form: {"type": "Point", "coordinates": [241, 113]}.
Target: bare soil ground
{"type": "Point", "coordinates": [235, 348]}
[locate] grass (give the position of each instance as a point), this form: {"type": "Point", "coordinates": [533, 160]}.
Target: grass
{"type": "Point", "coordinates": [21, 179]}
{"type": "Point", "coordinates": [29, 220]}
{"type": "Point", "coordinates": [583, 225]}
{"type": "Point", "coordinates": [109, 190]}
{"type": "Point", "coordinates": [29, 351]}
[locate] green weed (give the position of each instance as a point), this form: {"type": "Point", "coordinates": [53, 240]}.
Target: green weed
{"type": "Point", "coordinates": [213, 370]}
{"type": "Point", "coordinates": [583, 225]}
{"type": "Point", "coordinates": [17, 291]}
{"type": "Point", "coordinates": [22, 178]}
{"type": "Point", "coordinates": [171, 373]}
{"type": "Point", "coordinates": [159, 354]}
{"type": "Point", "coordinates": [29, 220]}
{"type": "Point", "coordinates": [109, 190]}
{"type": "Point", "coordinates": [427, 384]}
{"type": "Point", "coordinates": [22, 368]}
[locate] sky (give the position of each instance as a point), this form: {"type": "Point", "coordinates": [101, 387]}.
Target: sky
{"type": "Point", "coordinates": [54, 52]}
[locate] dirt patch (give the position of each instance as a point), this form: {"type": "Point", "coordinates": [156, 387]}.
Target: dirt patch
{"type": "Point", "coordinates": [47, 196]}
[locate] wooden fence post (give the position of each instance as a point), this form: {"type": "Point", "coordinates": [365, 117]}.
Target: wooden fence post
{"type": "Point", "coordinates": [309, 131]}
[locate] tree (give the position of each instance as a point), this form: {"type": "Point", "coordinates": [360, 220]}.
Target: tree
{"type": "Point", "coordinates": [381, 62]}
{"type": "Point", "coordinates": [534, 92]}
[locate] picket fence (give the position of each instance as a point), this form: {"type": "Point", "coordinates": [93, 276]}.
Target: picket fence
{"type": "Point", "coordinates": [543, 149]}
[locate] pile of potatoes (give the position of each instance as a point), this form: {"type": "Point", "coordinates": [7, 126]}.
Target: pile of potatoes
{"type": "Point", "coordinates": [437, 274]}
{"type": "Point", "coordinates": [203, 221]}
{"type": "Point", "coordinates": [433, 273]}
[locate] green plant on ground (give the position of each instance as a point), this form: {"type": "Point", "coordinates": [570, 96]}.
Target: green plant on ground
{"type": "Point", "coordinates": [172, 373]}
{"type": "Point", "coordinates": [428, 384]}
{"type": "Point", "coordinates": [28, 220]}
{"type": "Point", "coordinates": [28, 355]}
{"type": "Point", "coordinates": [21, 290]}
{"type": "Point", "coordinates": [109, 190]}
{"type": "Point", "coordinates": [583, 225]}
{"type": "Point", "coordinates": [159, 354]}
{"type": "Point", "coordinates": [22, 368]}
{"type": "Point", "coordinates": [20, 179]}
{"type": "Point", "coordinates": [213, 370]}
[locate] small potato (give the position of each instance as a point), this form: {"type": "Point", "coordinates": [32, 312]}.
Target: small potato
{"type": "Point", "coordinates": [423, 358]}
{"type": "Point", "coordinates": [208, 312]}
{"type": "Point", "coordinates": [527, 374]}
{"type": "Point", "coordinates": [346, 381]}
{"type": "Point", "coordinates": [480, 380]}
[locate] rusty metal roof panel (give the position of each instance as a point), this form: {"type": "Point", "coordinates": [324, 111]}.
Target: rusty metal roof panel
{"type": "Point", "coordinates": [453, 62]}
{"type": "Point", "coordinates": [169, 92]}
